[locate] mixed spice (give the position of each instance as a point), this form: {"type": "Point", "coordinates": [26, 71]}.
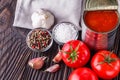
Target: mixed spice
{"type": "Point", "coordinates": [39, 39]}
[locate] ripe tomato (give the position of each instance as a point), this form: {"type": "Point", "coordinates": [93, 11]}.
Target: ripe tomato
{"type": "Point", "coordinates": [105, 64]}
{"type": "Point", "coordinates": [83, 74]}
{"type": "Point", "coordinates": [119, 62]}
{"type": "Point", "coordinates": [75, 53]}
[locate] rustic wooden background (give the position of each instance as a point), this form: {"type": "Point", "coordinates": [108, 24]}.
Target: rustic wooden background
{"type": "Point", "coordinates": [14, 53]}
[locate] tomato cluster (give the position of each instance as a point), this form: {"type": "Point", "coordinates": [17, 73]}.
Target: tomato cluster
{"type": "Point", "coordinates": [104, 64]}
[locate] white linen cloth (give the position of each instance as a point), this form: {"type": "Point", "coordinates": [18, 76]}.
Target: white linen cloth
{"type": "Point", "coordinates": [63, 10]}
{"type": "Point", "coordinates": [119, 6]}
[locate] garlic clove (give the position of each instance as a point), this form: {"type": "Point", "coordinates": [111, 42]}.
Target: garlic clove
{"type": "Point", "coordinates": [57, 58]}
{"type": "Point", "coordinates": [53, 68]}
{"type": "Point", "coordinates": [37, 63]}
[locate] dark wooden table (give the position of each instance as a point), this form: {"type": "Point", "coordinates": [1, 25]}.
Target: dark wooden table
{"type": "Point", "coordinates": [14, 53]}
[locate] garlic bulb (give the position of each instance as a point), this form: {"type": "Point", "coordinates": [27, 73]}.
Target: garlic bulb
{"type": "Point", "coordinates": [42, 19]}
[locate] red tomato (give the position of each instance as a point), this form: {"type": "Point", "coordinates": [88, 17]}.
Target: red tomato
{"type": "Point", "coordinates": [75, 53]}
{"type": "Point", "coordinates": [83, 74]}
{"type": "Point", "coordinates": [105, 64]}
{"type": "Point", "coordinates": [119, 67]}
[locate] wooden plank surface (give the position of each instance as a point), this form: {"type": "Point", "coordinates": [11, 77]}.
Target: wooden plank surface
{"type": "Point", "coordinates": [14, 53]}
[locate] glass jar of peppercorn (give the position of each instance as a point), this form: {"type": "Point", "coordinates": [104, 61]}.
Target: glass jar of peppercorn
{"type": "Point", "coordinates": [39, 40]}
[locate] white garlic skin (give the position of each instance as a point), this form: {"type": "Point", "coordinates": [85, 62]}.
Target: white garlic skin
{"type": "Point", "coordinates": [42, 19]}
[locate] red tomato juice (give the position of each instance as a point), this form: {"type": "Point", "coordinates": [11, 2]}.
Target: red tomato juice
{"type": "Point", "coordinates": [101, 21]}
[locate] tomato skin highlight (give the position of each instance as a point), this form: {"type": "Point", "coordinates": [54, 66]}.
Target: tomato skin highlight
{"type": "Point", "coordinates": [83, 74]}
{"type": "Point", "coordinates": [82, 54]}
{"type": "Point", "coordinates": [105, 70]}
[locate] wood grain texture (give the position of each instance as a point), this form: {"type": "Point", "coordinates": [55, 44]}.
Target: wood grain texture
{"type": "Point", "coordinates": [14, 53]}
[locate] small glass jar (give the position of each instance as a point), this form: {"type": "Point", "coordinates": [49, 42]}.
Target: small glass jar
{"type": "Point", "coordinates": [64, 32]}
{"type": "Point", "coordinates": [39, 40]}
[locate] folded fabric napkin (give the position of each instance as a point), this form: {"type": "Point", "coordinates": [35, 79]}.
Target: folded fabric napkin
{"type": "Point", "coordinates": [119, 6]}
{"type": "Point", "coordinates": [63, 10]}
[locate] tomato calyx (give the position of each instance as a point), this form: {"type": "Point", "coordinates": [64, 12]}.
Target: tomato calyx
{"type": "Point", "coordinates": [107, 59]}
{"type": "Point", "coordinates": [73, 53]}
